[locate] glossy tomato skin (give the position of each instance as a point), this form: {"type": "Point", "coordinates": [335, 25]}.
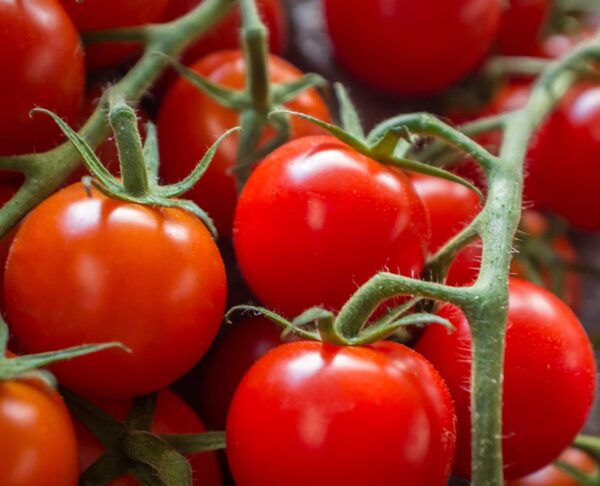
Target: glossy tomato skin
{"type": "Point", "coordinates": [521, 27]}
{"type": "Point", "coordinates": [39, 446]}
{"type": "Point", "coordinates": [42, 65]}
{"type": "Point", "coordinates": [189, 122]}
{"type": "Point", "coordinates": [553, 476]}
{"type": "Point", "coordinates": [376, 415]}
{"type": "Point", "coordinates": [104, 253]}
{"type": "Point", "coordinates": [172, 416]}
{"type": "Point", "coordinates": [548, 357]}
{"type": "Point", "coordinates": [317, 219]}
{"type": "Point", "coordinates": [451, 207]}
{"type": "Point", "coordinates": [407, 47]}
{"type": "Point", "coordinates": [226, 35]}
{"type": "Point", "coordinates": [93, 15]}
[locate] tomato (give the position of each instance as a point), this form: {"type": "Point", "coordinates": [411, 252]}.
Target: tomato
{"type": "Point", "coordinates": [189, 122]}
{"type": "Point", "coordinates": [38, 439]}
{"type": "Point", "coordinates": [318, 414]}
{"type": "Point", "coordinates": [548, 357]}
{"type": "Point", "coordinates": [172, 416]}
{"type": "Point", "coordinates": [42, 65]}
{"type": "Point", "coordinates": [451, 207]}
{"type": "Point", "coordinates": [223, 367]}
{"type": "Point", "coordinates": [521, 27]}
{"type": "Point", "coordinates": [317, 219]}
{"type": "Point", "coordinates": [553, 476]}
{"type": "Point", "coordinates": [91, 15]}
{"type": "Point", "coordinates": [83, 269]}
{"type": "Point", "coordinates": [226, 35]}
{"type": "Point", "coordinates": [408, 47]}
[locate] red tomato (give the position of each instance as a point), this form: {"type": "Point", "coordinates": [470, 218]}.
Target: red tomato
{"type": "Point", "coordinates": [376, 415]}
{"type": "Point", "coordinates": [42, 65]}
{"type": "Point", "coordinates": [521, 27]}
{"type": "Point", "coordinates": [553, 476]}
{"type": "Point", "coordinates": [226, 35]}
{"type": "Point", "coordinates": [548, 357]}
{"type": "Point", "coordinates": [317, 219]}
{"type": "Point", "coordinates": [38, 439]}
{"type": "Point", "coordinates": [91, 15]}
{"type": "Point", "coordinates": [451, 207]}
{"type": "Point", "coordinates": [172, 416]}
{"type": "Point", "coordinates": [408, 47]}
{"type": "Point", "coordinates": [89, 269]}
{"type": "Point", "coordinates": [189, 122]}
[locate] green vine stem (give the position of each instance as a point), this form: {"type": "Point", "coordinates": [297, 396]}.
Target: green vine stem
{"type": "Point", "coordinates": [45, 172]}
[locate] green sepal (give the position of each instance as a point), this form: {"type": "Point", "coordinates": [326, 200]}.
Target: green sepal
{"type": "Point", "coordinates": [285, 92]}
{"type": "Point", "coordinates": [580, 476]}
{"type": "Point", "coordinates": [195, 443]}
{"type": "Point", "coordinates": [348, 113]}
{"type": "Point", "coordinates": [108, 467]}
{"type": "Point", "coordinates": [151, 152]}
{"type": "Point", "coordinates": [141, 413]}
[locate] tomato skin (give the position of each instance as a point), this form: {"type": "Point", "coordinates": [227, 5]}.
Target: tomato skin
{"type": "Point", "coordinates": [38, 440]}
{"type": "Point", "coordinates": [553, 476]}
{"type": "Point", "coordinates": [521, 25]}
{"type": "Point", "coordinates": [104, 253]}
{"type": "Point", "coordinates": [93, 15]}
{"type": "Point", "coordinates": [309, 403]}
{"type": "Point", "coordinates": [424, 37]}
{"type": "Point", "coordinates": [451, 207]}
{"type": "Point", "coordinates": [189, 122]}
{"type": "Point", "coordinates": [316, 219]}
{"type": "Point", "coordinates": [42, 67]}
{"type": "Point", "coordinates": [548, 357]}
{"type": "Point", "coordinates": [172, 416]}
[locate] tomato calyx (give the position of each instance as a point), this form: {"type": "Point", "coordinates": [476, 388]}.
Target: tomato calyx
{"type": "Point", "coordinates": [132, 449]}
{"type": "Point", "coordinates": [319, 324]}
{"type": "Point", "coordinates": [138, 162]}
{"type": "Point", "coordinates": [590, 445]}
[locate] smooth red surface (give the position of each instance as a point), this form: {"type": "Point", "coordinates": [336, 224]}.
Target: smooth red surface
{"type": "Point", "coordinates": [317, 219]}
{"type": "Point", "coordinates": [42, 66]}
{"type": "Point", "coordinates": [91, 270]}
{"type": "Point", "coordinates": [38, 444]}
{"type": "Point", "coordinates": [521, 27]}
{"type": "Point", "coordinates": [549, 378]}
{"type": "Point", "coordinates": [172, 416]}
{"type": "Point", "coordinates": [412, 47]}
{"type": "Point", "coordinates": [451, 207]}
{"type": "Point", "coordinates": [189, 122]}
{"type": "Point", "coordinates": [90, 15]}
{"type": "Point", "coordinates": [318, 414]}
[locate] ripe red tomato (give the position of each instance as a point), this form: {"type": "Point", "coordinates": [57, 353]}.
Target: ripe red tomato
{"type": "Point", "coordinates": [376, 415]}
{"type": "Point", "coordinates": [172, 416]}
{"type": "Point", "coordinates": [89, 269]}
{"type": "Point", "coordinates": [93, 15]}
{"type": "Point", "coordinates": [189, 122]}
{"type": "Point", "coordinates": [38, 439]}
{"type": "Point", "coordinates": [451, 207]}
{"type": "Point", "coordinates": [317, 219]}
{"type": "Point", "coordinates": [226, 35]}
{"type": "Point", "coordinates": [548, 357]}
{"type": "Point", "coordinates": [553, 476]}
{"type": "Point", "coordinates": [521, 27]}
{"type": "Point", "coordinates": [408, 47]}
{"type": "Point", "coordinates": [42, 65]}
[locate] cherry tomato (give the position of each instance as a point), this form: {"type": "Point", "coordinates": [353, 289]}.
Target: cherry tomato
{"type": "Point", "coordinates": [521, 27]}
{"type": "Point", "coordinates": [408, 47]}
{"type": "Point", "coordinates": [89, 269]}
{"type": "Point", "coordinates": [451, 207]}
{"type": "Point", "coordinates": [42, 65]}
{"type": "Point", "coordinates": [548, 357]}
{"type": "Point", "coordinates": [226, 35]}
{"type": "Point", "coordinates": [93, 15]}
{"type": "Point", "coordinates": [553, 476]}
{"type": "Point", "coordinates": [376, 415]}
{"type": "Point", "coordinates": [317, 219]}
{"type": "Point", "coordinates": [172, 416]}
{"type": "Point", "coordinates": [38, 439]}
{"type": "Point", "coordinates": [189, 122]}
